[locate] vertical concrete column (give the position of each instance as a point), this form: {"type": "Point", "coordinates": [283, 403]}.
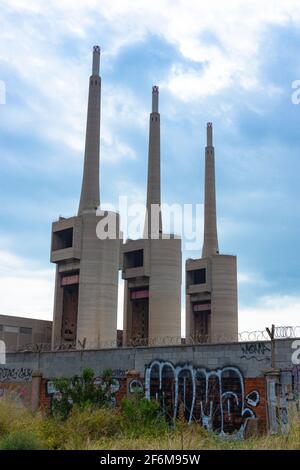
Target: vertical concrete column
{"type": "Point", "coordinates": [272, 378]}
{"type": "Point", "coordinates": [36, 382]}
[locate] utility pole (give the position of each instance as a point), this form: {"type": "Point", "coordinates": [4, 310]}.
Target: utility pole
{"type": "Point", "coordinates": [271, 333]}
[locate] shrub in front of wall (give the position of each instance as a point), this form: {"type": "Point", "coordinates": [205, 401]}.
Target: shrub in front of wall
{"type": "Point", "coordinates": [142, 416]}
{"type": "Point", "coordinates": [20, 440]}
{"type": "Point", "coordinates": [81, 391]}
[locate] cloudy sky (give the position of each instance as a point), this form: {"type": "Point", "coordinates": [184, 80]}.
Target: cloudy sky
{"type": "Point", "coordinates": [232, 63]}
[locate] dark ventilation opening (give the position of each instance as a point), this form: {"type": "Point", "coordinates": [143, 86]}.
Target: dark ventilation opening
{"type": "Point", "coordinates": [70, 311]}
{"type": "Point", "coordinates": [63, 239]}
{"type": "Point", "coordinates": [134, 259]}
{"type": "Point", "coordinates": [201, 326]}
{"type": "Point", "coordinates": [140, 321]}
{"type": "Point", "coordinates": [199, 276]}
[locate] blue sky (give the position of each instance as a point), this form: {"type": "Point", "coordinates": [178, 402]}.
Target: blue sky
{"type": "Point", "coordinates": [225, 62]}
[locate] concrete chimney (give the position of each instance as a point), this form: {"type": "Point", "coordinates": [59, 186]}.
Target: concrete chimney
{"type": "Point", "coordinates": [210, 243]}
{"type": "Point", "coordinates": [153, 222]}
{"type": "Point", "coordinates": [90, 191]}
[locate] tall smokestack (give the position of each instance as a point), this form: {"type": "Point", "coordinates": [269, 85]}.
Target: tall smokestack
{"type": "Point", "coordinates": [90, 191]}
{"type": "Point", "coordinates": [153, 225]}
{"type": "Point", "coordinates": [210, 243]}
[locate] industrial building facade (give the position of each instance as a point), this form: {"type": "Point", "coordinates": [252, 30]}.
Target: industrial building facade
{"type": "Point", "coordinates": [86, 286]}
{"type": "Point", "coordinates": [211, 281]}
{"type": "Point", "coordinates": [19, 332]}
{"type": "Point", "coordinates": [220, 383]}
{"type": "Point", "coordinates": [151, 267]}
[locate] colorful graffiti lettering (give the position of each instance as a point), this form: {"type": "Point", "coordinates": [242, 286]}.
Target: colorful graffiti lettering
{"type": "Point", "coordinates": [214, 398]}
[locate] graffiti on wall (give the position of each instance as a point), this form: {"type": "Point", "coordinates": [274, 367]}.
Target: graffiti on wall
{"type": "Point", "coordinates": [135, 385]}
{"type": "Point", "coordinates": [19, 392]}
{"type": "Point", "coordinates": [22, 374]}
{"type": "Point", "coordinates": [53, 393]}
{"type": "Point", "coordinates": [213, 398]}
{"type": "Point", "coordinates": [258, 351]}
{"type": "Point", "coordinates": [283, 398]}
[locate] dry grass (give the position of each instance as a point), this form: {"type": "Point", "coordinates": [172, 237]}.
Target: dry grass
{"type": "Point", "coordinates": [194, 442]}
{"type": "Point", "coordinates": [103, 429]}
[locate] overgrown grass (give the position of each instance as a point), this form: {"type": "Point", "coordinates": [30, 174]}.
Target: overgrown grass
{"type": "Point", "coordinates": [20, 440]}
{"type": "Point", "coordinates": [132, 426]}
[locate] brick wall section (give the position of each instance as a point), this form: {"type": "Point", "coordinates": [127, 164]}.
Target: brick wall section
{"type": "Point", "coordinates": [251, 359]}
{"type": "Point", "coordinates": [258, 384]}
{"type": "Point", "coordinates": [122, 392]}
{"type": "Point", "coordinates": [252, 385]}
{"type": "Point", "coordinates": [45, 400]}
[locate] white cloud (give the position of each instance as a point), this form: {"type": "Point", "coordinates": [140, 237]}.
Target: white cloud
{"type": "Point", "coordinates": [52, 86]}
{"type": "Point", "coordinates": [225, 38]}
{"type": "Point", "coordinates": [26, 289]}
{"type": "Point", "coordinates": [253, 278]}
{"type": "Point", "coordinates": [280, 310]}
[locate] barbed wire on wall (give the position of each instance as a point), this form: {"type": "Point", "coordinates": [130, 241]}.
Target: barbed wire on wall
{"type": "Point", "coordinates": [280, 332]}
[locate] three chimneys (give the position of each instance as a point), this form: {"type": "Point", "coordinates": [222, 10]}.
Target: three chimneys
{"type": "Point", "coordinates": [86, 285]}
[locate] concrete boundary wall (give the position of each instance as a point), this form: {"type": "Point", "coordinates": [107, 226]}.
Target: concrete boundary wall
{"type": "Point", "coordinates": [252, 358]}
{"type": "Point", "coordinates": [227, 388]}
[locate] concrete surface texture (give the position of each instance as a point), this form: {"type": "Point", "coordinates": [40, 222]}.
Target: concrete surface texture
{"type": "Point", "coordinates": [211, 281]}
{"type": "Point", "coordinates": [86, 285]}
{"type": "Point", "coordinates": [151, 267]}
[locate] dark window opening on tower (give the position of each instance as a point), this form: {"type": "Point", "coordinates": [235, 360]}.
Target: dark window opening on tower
{"type": "Point", "coordinates": [70, 311]}
{"type": "Point", "coordinates": [134, 259]}
{"type": "Point", "coordinates": [140, 321]}
{"type": "Point", "coordinates": [63, 239]}
{"type": "Point", "coordinates": [201, 326]}
{"type": "Point", "coordinates": [199, 276]}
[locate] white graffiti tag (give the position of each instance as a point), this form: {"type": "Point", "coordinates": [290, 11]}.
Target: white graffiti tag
{"type": "Point", "coordinates": [214, 398]}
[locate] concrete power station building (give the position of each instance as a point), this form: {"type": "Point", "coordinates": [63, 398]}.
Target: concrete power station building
{"type": "Point", "coordinates": [211, 281]}
{"type": "Point", "coordinates": [239, 389]}
{"type": "Point", "coordinates": [151, 267]}
{"type": "Point", "coordinates": [86, 286]}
